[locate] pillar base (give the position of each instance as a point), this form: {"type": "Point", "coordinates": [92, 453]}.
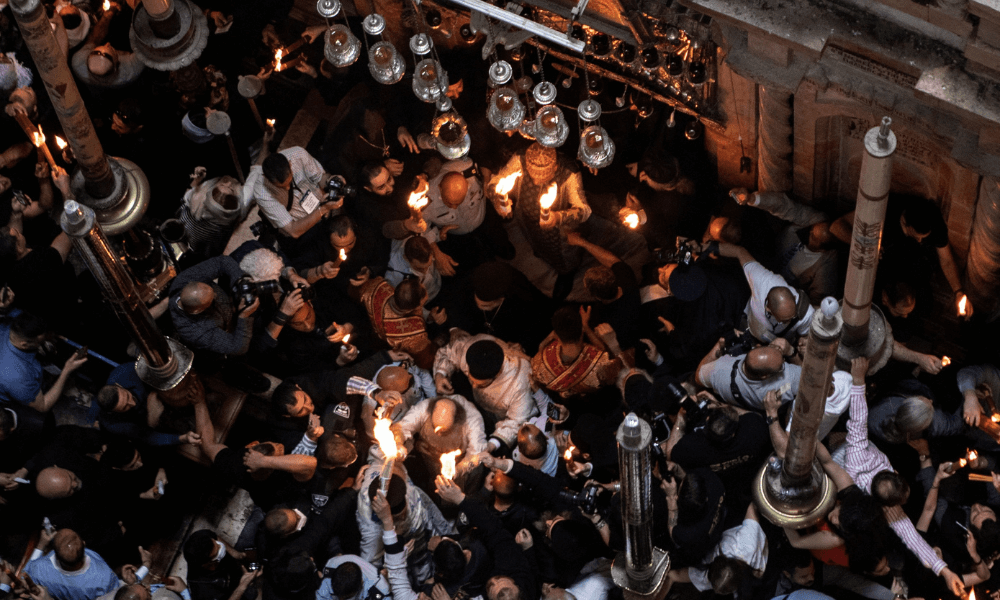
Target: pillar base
{"type": "Point", "coordinates": [166, 377]}
{"type": "Point", "coordinates": [177, 51]}
{"type": "Point", "coordinates": [127, 203]}
{"type": "Point", "coordinates": [796, 507]}
{"type": "Point", "coordinates": [648, 587]}
{"type": "Point", "coordinates": [877, 347]}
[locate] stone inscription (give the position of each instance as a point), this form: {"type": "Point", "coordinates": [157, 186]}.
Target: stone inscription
{"type": "Point", "coordinates": [870, 66]}
{"type": "Point", "coordinates": [864, 251]}
{"type": "Point", "coordinates": [907, 146]}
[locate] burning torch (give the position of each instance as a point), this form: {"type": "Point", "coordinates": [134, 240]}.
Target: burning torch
{"type": "Point", "coordinates": [387, 443]}
{"type": "Point", "coordinates": [417, 201]}
{"type": "Point", "coordinates": [963, 305]}
{"type": "Point", "coordinates": [448, 464]}
{"type": "Point", "coordinates": [547, 200]}
{"type": "Point", "coordinates": [504, 187]}
{"type": "Point", "coordinates": [38, 139]}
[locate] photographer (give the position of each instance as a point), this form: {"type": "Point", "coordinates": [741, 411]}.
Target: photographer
{"type": "Point", "coordinates": [205, 314]}
{"type": "Point", "coordinates": [288, 187]}
{"type": "Point", "coordinates": [696, 510]}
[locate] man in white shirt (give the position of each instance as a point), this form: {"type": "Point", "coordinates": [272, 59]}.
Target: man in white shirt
{"type": "Point", "coordinates": [500, 378]}
{"type": "Point", "coordinates": [288, 188]}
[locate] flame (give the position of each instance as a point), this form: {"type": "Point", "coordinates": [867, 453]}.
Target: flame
{"type": "Point", "coordinates": [106, 6]}
{"type": "Point", "coordinates": [38, 138]}
{"type": "Point", "coordinates": [448, 464]}
{"type": "Point", "coordinates": [347, 338]}
{"type": "Point", "coordinates": [549, 197]}
{"type": "Point", "coordinates": [963, 303]}
{"type": "Point", "coordinates": [568, 454]}
{"type": "Point", "coordinates": [418, 199]}
{"type": "Point", "coordinates": [962, 462]}
{"type": "Point", "coordinates": [995, 418]}
{"type": "Point", "coordinates": [506, 184]}
{"type": "Point", "coordinates": [61, 143]}
{"type": "Point", "coordinates": [973, 455]}
{"type": "Point", "coordinates": [632, 220]}
{"type": "Point", "coordinates": [972, 594]}
{"type": "Point", "coordinates": [945, 361]}
{"type": "Point", "coordinates": [438, 428]}
{"type": "Point", "coordinates": [277, 58]}
{"type": "Point", "coordinates": [270, 122]}
{"type": "Point", "coordinates": [343, 254]}
{"type": "Point", "coordinates": [386, 440]}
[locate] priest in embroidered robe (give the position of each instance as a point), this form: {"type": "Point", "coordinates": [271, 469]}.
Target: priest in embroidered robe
{"type": "Point", "coordinates": [397, 315]}
{"type": "Point", "coordinates": [570, 365]}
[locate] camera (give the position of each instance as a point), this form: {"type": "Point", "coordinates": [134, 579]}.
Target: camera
{"type": "Point", "coordinates": [260, 228]}
{"type": "Point", "coordinates": [737, 344]}
{"type": "Point", "coordinates": [247, 290]}
{"type": "Point", "coordinates": [22, 198]}
{"type": "Point", "coordinates": [586, 499]}
{"type": "Point", "coordinates": [335, 188]}
{"type": "Point", "coordinates": [682, 254]}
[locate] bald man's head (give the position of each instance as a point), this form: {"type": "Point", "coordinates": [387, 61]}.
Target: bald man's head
{"type": "Point", "coordinates": [781, 304]}
{"type": "Point", "coordinates": [763, 362]}
{"type": "Point", "coordinates": [504, 485]}
{"type": "Point", "coordinates": [394, 379]}
{"type": "Point", "coordinates": [68, 547]}
{"type": "Point", "coordinates": [531, 441]}
{"type": "Point", "coordinates": [281, 522]}
{"type": "Point", "coordinates": [55, 482]}
{"type": "Point", "coordinates": [454, 187]}
{"type": "Point", "coordinates": [136, 591]}
{"type": "Point", "coordinates": [443, 417]}
{"type": "Point", "coordinates": [196, 297]}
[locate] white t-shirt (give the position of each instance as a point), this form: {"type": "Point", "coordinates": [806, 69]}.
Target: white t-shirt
{"type": "Point", "coordinates": [746, 542]}
{"type": "Point", "coordinates": [761, 282]}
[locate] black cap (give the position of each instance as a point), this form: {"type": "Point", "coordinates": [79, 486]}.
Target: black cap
{"type": "Point", "coordinates": [395, 496]}
{"type": "Point", "coordinates": [485, 359]}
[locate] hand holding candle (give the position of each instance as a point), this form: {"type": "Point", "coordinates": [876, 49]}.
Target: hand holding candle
{"type": "Point", "coordinates": [38, 139]}
{"type": "Point", "coordinates": [545, 202]}
{"type": "Point", "coordinates": [504, 187]}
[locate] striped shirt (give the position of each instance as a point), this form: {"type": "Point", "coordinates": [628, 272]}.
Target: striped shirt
{"type": "Point", "coordinates": [863, 461]}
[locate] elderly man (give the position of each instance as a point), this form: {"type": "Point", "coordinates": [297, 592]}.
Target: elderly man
{"type": "Point", "coordinates": [775, 310]}
{"type": "Point", "coordinates": [441, 425]}
{"type": "Point", "coordinates": [397, 315]}
{"type": "Point", "coordinates": [744, 380]}
{"type": "Point", "coordinates": [544, 169]}
{"type": "Point", "coordinates": [202, 308]}
{"type": "Point", "coordinates": [500, 378]}
{"type": "Point", "coordinates": [459, 218]}
{"type": "Point", "coordinates": [71, 571]}
{"type": "Point", "coordinates": [536, 449]}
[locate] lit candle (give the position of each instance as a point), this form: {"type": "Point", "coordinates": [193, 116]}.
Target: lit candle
{"type": "Point", "coordinates": [568, 454]}
{"type": "Point", "coordinates": [387, 443]}
{"type": "Point", "coordinates": [418, 200]}
{"type": "Point", "coordinates": [632, 220]}
{"type": "Point", "coordinates": [106, 6]}
{"type": "Point", "coordinates": [548, 199]}
{"type": "Point", "coordinates": [995, 418]}
{"type": "Point", "coordinates": [945, 361]}
{"type": "Point", "coordinates": [270, 122]}
{"type": "Point", "coordinates": [963, 304]}
{"type": "Point", "coordinates": [343, 255]}
{"type": "Point", "coordinates": [277, 58]}
{"type": "Point", "coordinates": [504, 186]}
{"type": "Point", "coordinates": [960, 463]}
{"type": "Point", "coordinates": [448, 464]}
{"type": "Point", "coordinates": [38, 138]}
{"type": "Point", "coordinates": [347, 343]}
{"type": "Point", "coordinates": [973, 455]}
{"type": "Point", "coordinates": [61, 143]}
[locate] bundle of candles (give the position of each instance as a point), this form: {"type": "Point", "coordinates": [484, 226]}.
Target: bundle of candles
{"type": "Point", "coordinates": [387, 444]}
{"type": "Point", "coordinates": [448, 464]}
{"type": "Point", "coordinates": [962, 462]}
{"type": "Point", "coordinates": [547, 200]}
{"type": "Point", "coordinates": [281, 60]}
{"type": "Point", "coordinates": [417, 201]}
{"type": "Point", "coordinates": [504, 187]}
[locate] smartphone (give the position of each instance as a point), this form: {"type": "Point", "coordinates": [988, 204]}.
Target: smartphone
{"type": "Point", "coordinates": [81, 352]}
{"type": "Point", "coordinates": [22, 198]}
{"type": "Point", "coordinates": [553, 411]}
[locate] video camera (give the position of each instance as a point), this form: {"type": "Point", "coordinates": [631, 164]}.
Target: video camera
{"type": "Point", "coordinates": [695, 415]}
{"type": "Point", "coordinates": [586, 499]}
{"type": "Point", "coordinates": [246, 289]}
{"type": "Point", "coordinates": [686, 252]}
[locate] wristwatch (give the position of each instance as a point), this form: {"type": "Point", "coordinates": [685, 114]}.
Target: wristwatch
{"type": "Point", "coordinates": [770, 420]}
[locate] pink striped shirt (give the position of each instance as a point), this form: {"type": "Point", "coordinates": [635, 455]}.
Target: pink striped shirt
{"type": "Point", "coordinates": [863, 461]}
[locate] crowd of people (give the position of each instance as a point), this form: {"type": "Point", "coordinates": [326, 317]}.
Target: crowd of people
{"type": "Point", "coordinates": [437, 390]}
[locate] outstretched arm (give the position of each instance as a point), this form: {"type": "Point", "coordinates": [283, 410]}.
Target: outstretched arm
{"type": "Point", "coordinates": [738, 252]}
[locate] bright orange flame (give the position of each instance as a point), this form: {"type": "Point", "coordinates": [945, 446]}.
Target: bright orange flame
{"type": "Point", "coordinates": [632, 220]}
{"type": "Point", "coordinates": [963, 304]}
{"type": "Point", "coordinates": [270, 122]}
{"type": "Point", "coordinates": [347, 338]}
{"type": "Point", "coordinates": [343, 254]}
{"type": "Point", "coordinates": [438, 428]}
{"type": "Point", "coordinates": [106, 6]}
{"type": "Point", "coordinates": [38, 138]}
{"type": "Point", "coordinates": [549, 197]}
{"type": "Point", "coordinates": [418, 199]}
{"type": "Point", "coordinates": [448, 464]}
{"type": "Point", "coordinates": [973, 455]}
{"type": "Point", "coordinates": [995, 418]}
{"type": "Point", "coordinates": [386, 440]}
{"type": "Point", "coordinates": [277, 58]}
{"type": "Point", "coordinates": [61, 143]}
{"type": "Point", "coordinates": [945, 361]}
{"type": "Point", "coordinates": [568, 454]}
{"type": "Point", "coordinates": [972, 594]}
{"type": "Point", "coordinates": [962, 462]}
{"type": "Point", "coordinates": [506, 184]}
